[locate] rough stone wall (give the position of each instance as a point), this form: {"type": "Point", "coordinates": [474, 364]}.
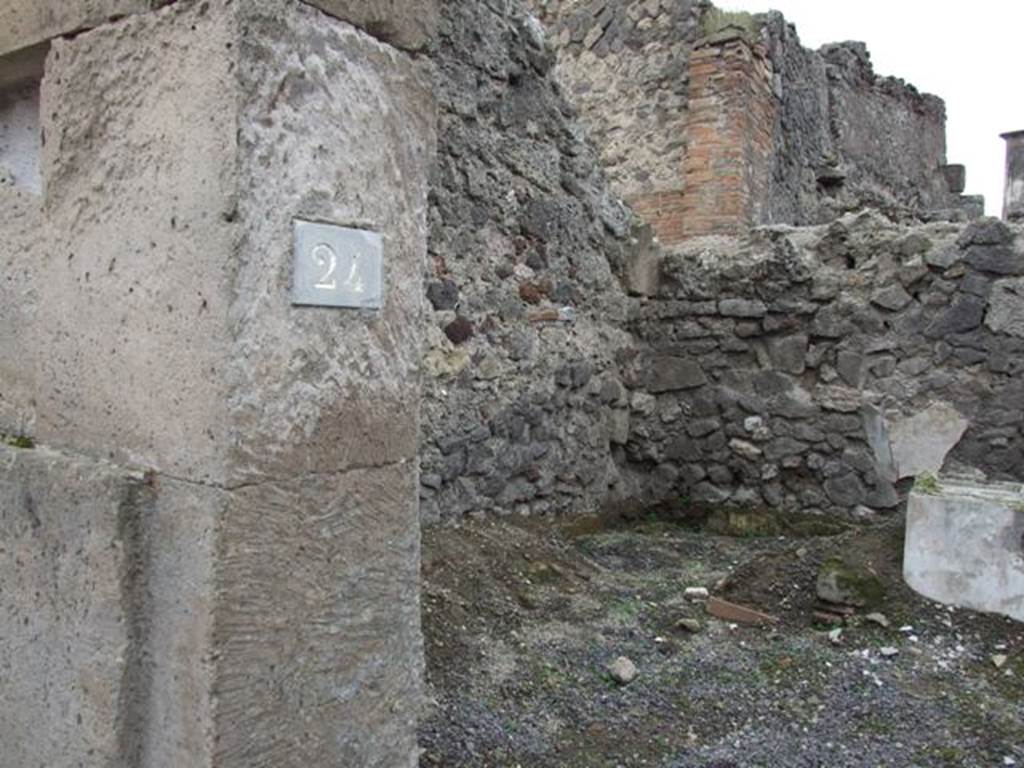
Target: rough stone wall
{"type": "Point", "coordinates": [624, 65]}
{"type": "Point", "coordinates": [847, 138]}
{"type": "Point", "coordinates": [521, 395]}
{"type": "Point", "coordinates": [814, 368]}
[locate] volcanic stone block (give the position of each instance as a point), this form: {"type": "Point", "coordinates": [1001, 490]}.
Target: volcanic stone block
{"type": "Point", "coordinates": [1006, 307]}
{"type": "Point", "coordinates": [964, 315]}
{"type": "Point", "coordinates": [669, 373]}
{"type": "Point", "coordinates": [789, 353]}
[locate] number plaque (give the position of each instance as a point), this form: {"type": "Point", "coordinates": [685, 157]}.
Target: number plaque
{"type": "Point", "coordinates": [337, 266]}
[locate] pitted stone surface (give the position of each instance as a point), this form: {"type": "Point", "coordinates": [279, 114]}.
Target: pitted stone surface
{"type": "Point", "coordinates": [64, 527]}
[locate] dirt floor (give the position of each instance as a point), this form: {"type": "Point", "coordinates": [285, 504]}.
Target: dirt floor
{"type": "Point", "coordinates": [522, 619]}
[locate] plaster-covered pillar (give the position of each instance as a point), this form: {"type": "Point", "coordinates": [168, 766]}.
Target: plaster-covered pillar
{"type": "Point", "coordinates": [1013, 195]}
{"type": "Point", "coordinates": [208, 492]}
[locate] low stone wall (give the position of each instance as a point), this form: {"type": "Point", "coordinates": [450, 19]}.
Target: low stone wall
{"type": "Point", "coordinates": [816, 368]}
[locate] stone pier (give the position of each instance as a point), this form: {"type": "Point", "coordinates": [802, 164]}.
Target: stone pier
{"type": "Point", "coordinates": [209, 543]}
{"type": "Point", "coordinates": [1013, 195]}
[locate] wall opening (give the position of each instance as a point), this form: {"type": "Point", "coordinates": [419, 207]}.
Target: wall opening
{"type": "Point", "coordinates": [21, 139]}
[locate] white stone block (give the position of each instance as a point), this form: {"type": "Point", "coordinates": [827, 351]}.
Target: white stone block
{"type": "Point", "coordinates": [965, 546]}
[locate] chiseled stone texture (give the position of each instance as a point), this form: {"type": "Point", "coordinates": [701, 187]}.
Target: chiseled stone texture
{"type": "Point", "coordinates": [104, 571]}
{"type": "Point", "coordinates": [318, 632]}
{"type": "Point", "coordinates": [128, 337]}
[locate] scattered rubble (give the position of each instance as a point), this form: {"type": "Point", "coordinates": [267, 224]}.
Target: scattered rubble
{"type": "Point", "coordinates": [622, 670]}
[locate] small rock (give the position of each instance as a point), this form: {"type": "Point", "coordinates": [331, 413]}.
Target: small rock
{"type": "Point", "coordinates": [835, 636]}
{"type": "Point", "coordinates": [696, 593]}
{"type": "Point", "coordinates": [690, 625]}
{"type": "Point", "coordinates": [888, 651]}
{"type": "Point", "coordinates": [459, 330]}
{"type": "Point", "coordinates": [878, 618]}
{"type": "Point", "coordinates": [842, 582]}
{"type": "Point", "coordinates": [999, 660]}
{"type": "Point", "coordinates": [622, 670]}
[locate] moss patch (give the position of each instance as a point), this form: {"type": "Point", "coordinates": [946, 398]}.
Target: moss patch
{"type": "Point", "coordinates": [19, 441]}
{"type": "Point", "coordinates": [715, 20]}
{"type": "Point", "coordinates": [927, 484]}
{"type": "Point", "coordinates": [847, 583]}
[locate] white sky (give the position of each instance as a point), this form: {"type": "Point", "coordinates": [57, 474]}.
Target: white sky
{"type": "Point", "coordinates": [967, 53]}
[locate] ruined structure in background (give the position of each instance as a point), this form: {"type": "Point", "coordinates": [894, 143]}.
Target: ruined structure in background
{"type": "Point", "coordinates": [711, 122]}
{"type": "Point", "coordinates": [1013, 196]}
{"type": "Point", "coordinates": [573, 363]}
{"type": "Point", "coordinates": [209, 540]}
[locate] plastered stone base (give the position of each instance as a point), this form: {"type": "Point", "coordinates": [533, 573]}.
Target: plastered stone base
{"type": "Point", "coordinates": [104, 614]}
{"type": "Point", "coordinates": [965, 546]}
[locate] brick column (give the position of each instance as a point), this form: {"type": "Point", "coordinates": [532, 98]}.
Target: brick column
{"type": "Point", "coordinates": [729, 133]}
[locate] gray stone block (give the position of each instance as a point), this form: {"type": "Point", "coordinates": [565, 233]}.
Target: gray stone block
{"type": "Point", "coordinates": [409, 24]}
{"type": "Point", "coordinates": [1006, 307]}
{"type": "Point", "coordinates": [668, 374]}
{"type": "Point", "coordinates": [789, 353]}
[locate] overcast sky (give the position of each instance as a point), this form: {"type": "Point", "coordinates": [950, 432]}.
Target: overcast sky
{"type": "Point", "coordinates": [967, 53]}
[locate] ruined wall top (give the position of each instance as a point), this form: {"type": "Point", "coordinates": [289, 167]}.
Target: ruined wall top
{"type": "Point", "coordinates": [842, 137]}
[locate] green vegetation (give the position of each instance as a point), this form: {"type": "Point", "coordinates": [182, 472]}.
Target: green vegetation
{"type": "Point", "coordinates": [927, 483]}
{"type": "Point", "coordinates": [18, 441]}
{"type": "Point", "coordinates": [857, 585]}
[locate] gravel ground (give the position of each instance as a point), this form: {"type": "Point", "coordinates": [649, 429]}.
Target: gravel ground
{"type": "Point", "coordinates": [522, 619]}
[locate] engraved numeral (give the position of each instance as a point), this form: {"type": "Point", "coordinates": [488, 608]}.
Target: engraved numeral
{"type": "Point", "coordinates": [326, 259]}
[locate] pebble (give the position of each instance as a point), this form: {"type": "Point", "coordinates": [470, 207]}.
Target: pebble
{"type": "Point", "coordinates": [888, 651]}
{"type": "Point", "coordinates": [690, 625]}
{"type": "Point", "coordinates": [623, 671]}
{"type": "Point", "coordinates": [878, 618]}
{"type": "Point", "coordinates": [835, 636]}
{"type": "Point", "coordinates": [696, 593]}
{"type": "Point", "coordinates": [999, 660]}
